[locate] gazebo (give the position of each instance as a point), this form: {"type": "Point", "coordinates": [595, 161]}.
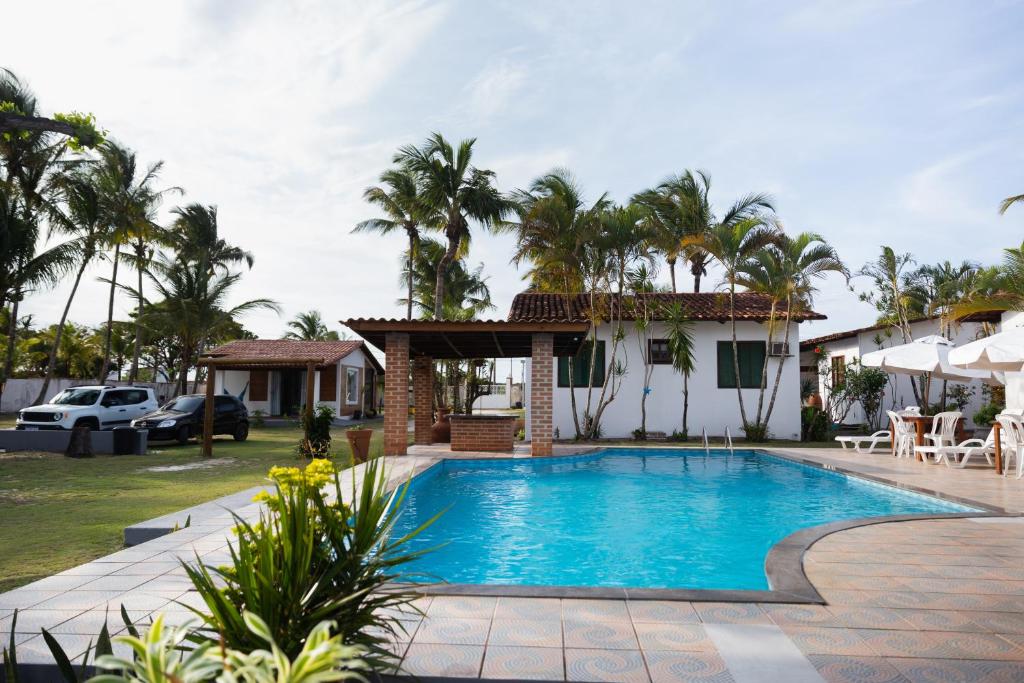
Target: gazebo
{"type": "Point", "coordinates": [419, 342]}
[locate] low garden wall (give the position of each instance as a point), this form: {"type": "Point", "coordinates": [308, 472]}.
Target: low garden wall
{"type": "Point", "coordinates": [495, 433]}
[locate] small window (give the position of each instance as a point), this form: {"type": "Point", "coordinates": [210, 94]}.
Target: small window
{"type": "Point", "coordinates": [581, 367]}
{"type": "Point", "coordinates": [751, 362]}
{"type": "Point", "coordinates": [114, 398]}
{"type": "Point", "coordinates": [135, 396]}
{"type": "Point", "coordinates": [352, 386]}
{"type": "Point", "coordinates": [223, 404]}
{"type": "Point", "coordinates": [658, 352]}
{"type": "Point", "coordinates": [838, 370]}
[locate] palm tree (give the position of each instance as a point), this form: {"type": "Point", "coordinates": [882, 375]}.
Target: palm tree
{"type": "Point", "coordinates": [77, 214]}
{"type": "Point", "coordinates": [195, 236]}
{"type": "Point", "coordinates": [680, 212]}
{"type": "Point", "coordinates": [679, 331]}
{"type": "Point", "coordinates": [309, 326]}
{"type": "Point", "coordinates": [1000, 288]}
{"type": "Point", "coordinates": [399, 197]}
{"type": "Point", "coordinates": [785, 271]}
{"type": "Point", "coordinates": [1010, 201]}
{"type": "Point", "coordinates": [194, 306]}
{"type": "Point", "coordinates": [129, 202]}
{"type": "Point", "coordinates": [732, 244]}
{"type": "Point", "coordinates": [467, 295]}
{"type": "Point", "coordinates": [455, 191]}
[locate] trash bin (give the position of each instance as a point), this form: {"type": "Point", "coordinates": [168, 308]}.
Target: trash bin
{"type": "Point", "coordinates": [124, 440]}
{"type": "Point", "coordinates": [141, 444]}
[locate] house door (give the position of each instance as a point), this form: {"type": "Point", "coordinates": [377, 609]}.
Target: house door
{"type": "Point", "coordinates": [291, 392]}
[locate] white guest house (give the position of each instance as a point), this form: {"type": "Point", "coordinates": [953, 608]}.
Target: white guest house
{"type": "Point", "coordinates": [276, 380]}
{"type": "Point", "coordinates": [824, 359]}
{"type": "Point", "coordinates": [713, 403]}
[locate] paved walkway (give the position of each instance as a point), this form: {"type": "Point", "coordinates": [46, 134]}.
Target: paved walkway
{"type": "Point", "coordinates": [935, 601]}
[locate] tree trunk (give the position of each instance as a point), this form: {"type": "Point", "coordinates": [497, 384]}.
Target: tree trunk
{"type": "Point", "coordinates": [672, 272]}
{"type": "Point", "coordinates": [764, 368]}
{"type": "Point", "coordinates": [412, 246]}
{"type": "Point", "coordinates": [105, 368]}
{"type": "Point", "coordinates": [696, 269]}
{"type": "Point", "coordinates": [133, 374]}
{"type": "Point", "coordinates": [183, 375]}
{"type": "Point", "coordinates": [686, 404]}
{"type": "Point", "coordinates": [51, 364]}
{"type": "Point", "coordinates": [442, 271]}
{"type": "Point", "coordinates": [12, 332]}
{"type": "Point", "coordinates": [735, 351]}
{"type": "Point", "coordinates": [782, 360]}
{"type": "Point", "coordinates": [199, 352]}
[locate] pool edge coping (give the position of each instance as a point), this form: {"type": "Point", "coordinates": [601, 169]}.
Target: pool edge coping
{"type": "Point", "coordinates": [783, 566]}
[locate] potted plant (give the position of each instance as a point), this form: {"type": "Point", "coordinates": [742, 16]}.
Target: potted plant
{"type": "Point", "coordinates": [359, 441]}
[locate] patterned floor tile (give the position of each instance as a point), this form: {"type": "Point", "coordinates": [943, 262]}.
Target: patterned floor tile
{"type": "Point", "coordinates": [683, 637]}
{"type": "Point", "coordinates": [939, 620]}
{"type": "Point", "coordinates": [456, 631]}
{"type": "Point", "coordinates": [844, 669]}
{"type": "Point", "coordinates": [462, 607]}
{"type": "Point", "coordinates": [525, 633]}
{"type": "Point", "coordinates": [953, 671]}
{"type": "Point", "coordinates": [814, 640]}
{"type": "Point", "coordinates": [940, 645]}
{"type": "Point", "coordinates": [600, 610]}
{"type": "Point", "coordinates": [529, 608]}
{"type": "Point", "coordinates": [799, 615]}
{"type": "Point", "coordinates": [730, 613]}
{"type": "Point", "coordinates": [461, 661]}
{"type": "Point", "coordinates": [609, 635]}
{"type": "Point", "coordinates": [688, 667]}
{"type": "Point", "coordinates": [662, 611]}
{"type": "Point", "coordinates": [625, 666]}
{"type": "Point", "coordinates": [868, 617]}
{"type": "Point", "coordinates": [530, 663]}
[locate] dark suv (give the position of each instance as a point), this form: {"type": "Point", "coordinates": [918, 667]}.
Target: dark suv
{"type": "Point", "coordinates": [181, 418]}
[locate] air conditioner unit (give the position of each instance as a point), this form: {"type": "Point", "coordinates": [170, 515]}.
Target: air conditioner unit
{"type": "Point", "coordinates": [778, 349]}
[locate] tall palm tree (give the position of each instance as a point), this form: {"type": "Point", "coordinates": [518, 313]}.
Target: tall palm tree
{"type": "Point", "coordinates": [129, 202]}
{"type": "Point", "coordinates": [309, 326]}
{"type": "Point", "coordinates": [467, 295]}
{"type": "Point", "coordinates": [78, 214]}
{"type": "Point", "coordinates": [1010, 201]}
{"type": "Point", "coordinates": [732, 244]}
{"type": "Point", "coordinates": [195, 236]}
{"type": "Point", "coordinates": [785, 271]}
{"type": "Point", "coordinates": [681, 212]}
{"type": "Point", "coordinates": [398, 196]}
{"type": "Point", "coordinates": [679, 331]}
{"type": "Point", "coordinates": [1000, 288]}
{"type": "Point", "coordinates": [456, 191]}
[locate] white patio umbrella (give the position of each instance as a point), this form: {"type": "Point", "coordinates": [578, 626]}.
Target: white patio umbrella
{"type": "Point", "coordinates": [924, 356]}
{"type": "Point", "coordinates": [1000, 352]}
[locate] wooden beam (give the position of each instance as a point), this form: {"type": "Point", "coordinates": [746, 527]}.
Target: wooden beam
{"type": "Point", "coordinates": [211, 381]}
{"type": "Point", "coordinates": [450, 345]}
{"type": "Point", "coordinates": [498, 344]}
{"type": "Point", "coordinates": [310, 376]}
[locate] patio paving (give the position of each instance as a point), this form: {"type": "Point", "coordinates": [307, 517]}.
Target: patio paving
{"type": "Point", "coordinates": [925, 600]}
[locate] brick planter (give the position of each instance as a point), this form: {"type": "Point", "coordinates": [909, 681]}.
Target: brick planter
{"type": "Point", "coordinates": [494, 433]}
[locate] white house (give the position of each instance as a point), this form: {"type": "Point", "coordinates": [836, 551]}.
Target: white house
{"type": "Point", "coordinates": [713, 403]}
{"type": "Point", "coordinates": [840, 349]}
{"type": "Point", "coordinates": [276, 385]}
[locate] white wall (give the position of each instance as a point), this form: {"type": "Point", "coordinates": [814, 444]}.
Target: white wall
{"type": "Point", "coordinates": [21, 393]}
{"type": "Point", "coordinates": [899, 392]}
{"type": "Point", "coordinates": [710, 407]}
{"type": "Point", "coordinates": [496, 401]}
{"type": "Point", "coordinates": [1014, 380]}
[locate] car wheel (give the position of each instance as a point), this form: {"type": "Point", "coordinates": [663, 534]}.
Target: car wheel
{"type": "Point", "coordinates": [241, 432]}
{"type": "Point", "coordinates": [182, 436]}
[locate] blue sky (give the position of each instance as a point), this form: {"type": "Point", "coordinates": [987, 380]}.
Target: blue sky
{"type": "Point", "coordinates": [870, 122]}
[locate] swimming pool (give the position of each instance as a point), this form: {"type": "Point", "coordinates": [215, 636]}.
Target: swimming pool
{"type": "Point", "coordinates": [639, 518]}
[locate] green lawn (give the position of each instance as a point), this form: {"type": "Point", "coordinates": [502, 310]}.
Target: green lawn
{"type": "Point", "coordinates": [57, 512]}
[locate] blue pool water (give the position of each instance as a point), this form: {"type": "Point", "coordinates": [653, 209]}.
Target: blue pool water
{"type": "Point", "coordinates": [629, 517]}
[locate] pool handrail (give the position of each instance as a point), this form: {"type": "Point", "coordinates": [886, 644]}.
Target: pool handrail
{"type": "Point", "coordinates": [728, 440]}
{"type": "Point", "coordinates": [704, 439]}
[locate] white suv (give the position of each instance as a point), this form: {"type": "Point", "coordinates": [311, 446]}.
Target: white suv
{"type": "Point", "coordinates": [98, 407]}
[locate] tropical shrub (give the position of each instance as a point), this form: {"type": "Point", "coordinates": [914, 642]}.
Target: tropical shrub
{"type": "Point", "coordinates": [756, 432]}
{"type": "Point", "coordinates": [316, 428]}
{"type": "Point", "coordinates": [814, 424]}
{"type": "Point", "coordinates": [865, 386]}
{"type": "Point", "coordinates": [163, 656]}
{"type": "Point", "coordinates": [311, 558]}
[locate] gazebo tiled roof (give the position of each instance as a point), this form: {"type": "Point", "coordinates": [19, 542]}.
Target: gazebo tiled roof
{"type": "Point", "coordinates": [286, 351]}
{"type": "Point", "coordinates": [712, 306]}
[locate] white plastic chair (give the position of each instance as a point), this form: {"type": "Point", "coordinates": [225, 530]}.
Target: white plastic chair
{"type": "Point", "coordinates": [960, 454]}
{"type": "Point", "coordinates": [881, 436]}
{"type": "Point", "coordinates": [943, 431]}
{"type": "Point", "coordinates": [911, 410]}
{"type": "Point", "coordinates": [1012, 441]}
{"type": "Point", "coordinates": [903, 435]}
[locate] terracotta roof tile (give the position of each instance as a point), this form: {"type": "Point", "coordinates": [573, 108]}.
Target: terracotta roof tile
{"type": "Point", "coordinates": [275, 349]}
{"type": "Point", "coordinates": [714, 306]}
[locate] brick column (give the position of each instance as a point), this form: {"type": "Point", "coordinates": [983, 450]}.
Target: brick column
{"type": "Point", "coordinates": [541, 386]}
{"type": "Point", "coordinates": [422, 398]}
{"type": "Point", "coordinates": [396, 393]}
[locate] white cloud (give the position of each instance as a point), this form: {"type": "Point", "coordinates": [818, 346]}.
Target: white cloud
{"type": "Point", "coordinates": [495, 87]}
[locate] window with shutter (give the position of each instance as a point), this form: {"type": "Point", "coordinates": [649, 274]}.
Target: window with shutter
{"type": "Point", "coordinates": [581, 367]}
{"type": "Point", "coordinates": [658, 352]}
{"type": "Point", "coordinates": [751, 361]}
{"type": "Point", "coordinates": [329, 383]}
{"type": "Point", "coordinates": [258, 385]}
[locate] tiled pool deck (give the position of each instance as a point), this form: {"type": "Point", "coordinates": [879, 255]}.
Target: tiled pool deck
{"type": "Point", "coordinates": [927, 600]}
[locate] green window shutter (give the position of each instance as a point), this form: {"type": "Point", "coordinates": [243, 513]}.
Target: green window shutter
{"type": "Point", "coordinates": [599, 368]}
{"type": "Point", "coordinates": [563, 371]}
{"type": "Point", "coordinates": [752, 359]}
{"type": "Point", "coordinates": [581, 366]}
{"type": "Point", "coordinates": [726, 376]}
